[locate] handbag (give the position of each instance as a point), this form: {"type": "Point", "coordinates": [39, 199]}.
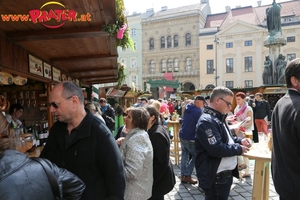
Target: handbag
{"type": "Point", "coordinates": [51, 177]}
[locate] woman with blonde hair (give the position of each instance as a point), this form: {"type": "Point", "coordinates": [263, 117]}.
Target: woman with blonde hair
{"type": "Point", "coordinates": [94, 107]}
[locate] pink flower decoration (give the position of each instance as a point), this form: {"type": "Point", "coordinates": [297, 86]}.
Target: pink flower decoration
{"type": "Point", "coordinates": [121, 31]}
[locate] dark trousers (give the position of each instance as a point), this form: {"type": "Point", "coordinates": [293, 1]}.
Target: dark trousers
{"type": "Point", "coordinates": [157, 198]}
{"type": "Point", "coordinates": [220, 189]}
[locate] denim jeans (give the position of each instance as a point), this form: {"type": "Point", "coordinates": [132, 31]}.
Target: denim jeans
{"type": "Point", "coordinates": [220, 189]}
{"type": "Point", "coordinates": [187, 164]}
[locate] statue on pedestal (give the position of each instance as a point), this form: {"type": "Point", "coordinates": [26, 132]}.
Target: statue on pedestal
{"type": "Point", "coordinates": [274, 19]}
{"type": "Point", "coordinates": [279, 68]}
{"type": "Point", "coordinates": [267, 73]}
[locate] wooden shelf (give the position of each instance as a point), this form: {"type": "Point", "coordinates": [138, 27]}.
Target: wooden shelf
{"type": "Point", "coordinates": [42, 95]}
{"type": "Point", "coordinates": [43, 108]}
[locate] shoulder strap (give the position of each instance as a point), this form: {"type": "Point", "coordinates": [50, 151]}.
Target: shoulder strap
{"type": "Point", "coordinates": [51, 176]}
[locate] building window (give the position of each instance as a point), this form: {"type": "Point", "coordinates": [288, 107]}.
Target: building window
{"type": "Point", "coordinates": [133, 31]}
{"type": "Point", "coordinates": [133, 62]}
{"type": "Point", "coordinates": [151, 44]}
{"type": "Point", "coordinates": [176, 65]}
{"type": "Point", "coordinates": [162, 42]}
{"type": "Point", "coordinates": [248, 43]}
{"type": "Point", "coordinates": [175, 40]}
{"type": "Point", "coordinates": [169, 42]}
{"type": "Point", "coordinates": [170, 65]}
{"type": "Point", "coordinates": [210, 66]}
{"type": "Point", "coordinates": [134, 46]}
{"type": "Point", "coordinates": [133, 79]}
{"type": "Point", "coordinates": [229, 84]}
{"type": "Point", "coordinates": [291, 39]}
{"type": "Point", "coordinates": [163, 66]}
{"type": "Point", "coordinates": [290, 56]}
{"type": "Point", "coordinates": [229, 45]}
{"type": "Point", "coordinates": [188, 39]}
{"type": "Point", "coordinates": [209, 47]}
{"type": "Point", "coordinates": [229, 65]}
{"type": "Point", "coordinates": [152, 67]}
{"type": "Point", "coordinates": [248, 64]}
{"type": "Point", "coordinates": [248, 83]}
{"type": "Point", "coordinates": [123, 61]}
{"type": "Point", "coordinates": [188, 64]}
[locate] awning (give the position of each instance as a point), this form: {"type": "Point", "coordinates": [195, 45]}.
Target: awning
{"type": "Point", "coordinates": [130, 94]}
{"type": "Point", "coordinates": [67, 35]}
{"type": "Point", "coordinates": [275, 90]}
{"type": "Point", "coordinates": [119, 93]}
{"type": "Point", "coordinates": [109, 91]}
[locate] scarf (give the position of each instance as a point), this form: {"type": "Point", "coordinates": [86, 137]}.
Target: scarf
{"type": "Point", "coordinates": [241, 109]}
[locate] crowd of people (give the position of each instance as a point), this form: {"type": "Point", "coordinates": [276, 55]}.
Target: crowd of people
{"type": "Point", "coordinates": [90, 162]}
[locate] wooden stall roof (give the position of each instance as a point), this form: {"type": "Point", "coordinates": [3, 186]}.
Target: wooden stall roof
{"type": "Point", "coordinates": [80, 48]}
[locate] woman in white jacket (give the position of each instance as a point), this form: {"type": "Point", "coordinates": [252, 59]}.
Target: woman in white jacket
{"type": "Point", "coordinates": [137, 154]}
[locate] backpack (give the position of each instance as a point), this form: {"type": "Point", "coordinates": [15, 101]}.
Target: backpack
{"type": "Point", "coordinates": [110, 122]}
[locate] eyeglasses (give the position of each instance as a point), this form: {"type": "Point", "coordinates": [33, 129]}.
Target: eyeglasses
{"type": "Point", "coordinates": [228, 103]}
{"type": "Point", "coordinates": [55, 105]}
{"type": "Point", "coordinates": [125, 114]}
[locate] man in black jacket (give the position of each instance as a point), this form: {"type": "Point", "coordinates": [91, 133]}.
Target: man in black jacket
{"type": "Point", "coordinates": [286, 134]}
{"type": "Point", "coordinates": [81, 143]}
{"type": "Point", "coordinates": [262, 113]}
{"type": "Point", "coordinates": [108, 114]}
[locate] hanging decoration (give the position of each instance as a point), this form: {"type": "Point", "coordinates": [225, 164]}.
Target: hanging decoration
{"type": "Point", "coordinates": [120, 30]}
{"type": "Point", "coordinates": [121, 75]}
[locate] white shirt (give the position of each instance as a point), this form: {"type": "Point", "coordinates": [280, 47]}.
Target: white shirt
{"type": "Point", "coordinates": [228, 163]}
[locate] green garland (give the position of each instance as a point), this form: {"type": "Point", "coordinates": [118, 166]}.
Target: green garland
{"type": "Point", "coordinates": [121, 75]}
{"type": "Point", "coordinates": [113, 29]}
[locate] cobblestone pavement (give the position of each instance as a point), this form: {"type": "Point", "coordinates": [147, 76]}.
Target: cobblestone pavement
{"type": "Point", "coordinates": [240, 189]}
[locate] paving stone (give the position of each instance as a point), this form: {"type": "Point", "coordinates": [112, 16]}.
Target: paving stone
{"type": "Point", "coordinates": [241, 189]}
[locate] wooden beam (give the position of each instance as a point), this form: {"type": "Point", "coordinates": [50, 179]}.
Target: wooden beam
{"type": "Point", "coordinates": [87, 76]}
{"type": "Point", "coordinates": [83, 58]}
{"type": "Point", "coordinates": [91, 69]}
{"type": "Point", "coordinates": [100, 78]}
{"type": "Point", "coordinates": [50, 34]}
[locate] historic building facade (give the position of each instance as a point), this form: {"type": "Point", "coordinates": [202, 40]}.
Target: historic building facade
{"type": "Point", "coordinates": [232, 51]}
{"type": "Point", "coordinates": [170, 45]}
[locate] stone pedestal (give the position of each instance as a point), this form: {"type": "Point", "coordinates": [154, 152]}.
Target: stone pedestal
{"type": "Point", "coordinates": [274, 43]}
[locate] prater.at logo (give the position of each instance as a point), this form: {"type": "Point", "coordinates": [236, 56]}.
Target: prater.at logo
{"type": "Point", "coordinates": [52, 14]}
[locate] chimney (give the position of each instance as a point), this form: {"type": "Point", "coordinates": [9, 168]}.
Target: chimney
{"type": "Point", "coordinates": [259, 3]}
{"type": "Point", "coordinates": [227, 8]}
{"type": "Point", "coordinates": [164, 8]}
{"type": "Point", "coordinates": [150, 10]}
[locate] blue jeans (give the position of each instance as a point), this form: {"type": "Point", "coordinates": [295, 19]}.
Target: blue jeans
{"type": "Point", "coordinates": [187, 164]}
{"type": "Point", "coordinates": [220, 189]}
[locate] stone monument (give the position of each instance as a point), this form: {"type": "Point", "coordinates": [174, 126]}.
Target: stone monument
{"type": "Point", "coordinates": [274, 64]}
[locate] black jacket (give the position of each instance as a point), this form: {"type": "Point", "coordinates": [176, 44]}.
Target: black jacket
{"type": "Point", "coordinates": [164, 178]}
{"type": "Point", "coordinates": [93, 156]}
{"type": "Point", "coordinates": [262, 110]}
{"type": "Point", "coordinates": [286, 142]}
{"type": "Point", "coordinates": [23, 178]}
{"type": "Point", "coordinates": [211, 146]}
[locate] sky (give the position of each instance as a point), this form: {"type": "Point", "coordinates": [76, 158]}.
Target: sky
{"type": "Point", "coordinates": [217, 6]}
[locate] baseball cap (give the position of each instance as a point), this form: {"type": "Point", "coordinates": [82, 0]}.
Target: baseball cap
{"type": "Point", "coordinates": [199, 97]}
{"type": "Point", "coordinates": [144, 99]}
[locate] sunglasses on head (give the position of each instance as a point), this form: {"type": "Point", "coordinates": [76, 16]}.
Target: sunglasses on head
{"type": "Point", "coordinates": [55, 105]}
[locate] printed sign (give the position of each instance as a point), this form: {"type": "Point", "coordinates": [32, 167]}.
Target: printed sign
{"type": "Point", "coordinates": [35, 65]}
{"type": "Point", "coordinates": [56, 74]}
{"type": "Point", "coordinates": [51, 14]}
{"type": "Point", "coordinates": [47, 70]}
